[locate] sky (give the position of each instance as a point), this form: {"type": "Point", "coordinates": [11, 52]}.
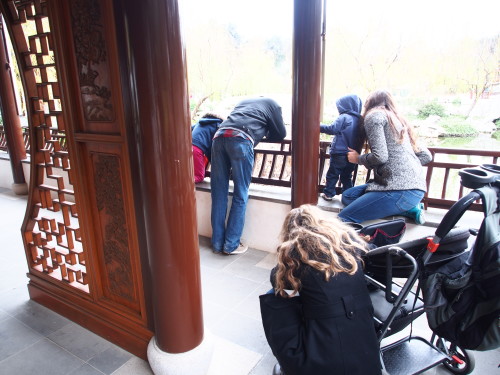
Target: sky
{"type": "Point", "coordinates": [447, 18]}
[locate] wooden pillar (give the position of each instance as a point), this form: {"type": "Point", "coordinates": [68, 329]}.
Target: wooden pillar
{"type": "Point", "coordinates": [306, 101]}
{"type": "Point", "coordinates": [12, 125]}
{"type": "Point", "coordinates": [156, 64]}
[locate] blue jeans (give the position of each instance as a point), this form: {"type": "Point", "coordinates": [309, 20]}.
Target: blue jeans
{"type": "Point", "coordinates": [361, 206]}
{"type": "Point", "coordinates": [339, 168]}
{"type": "Point", "coordinates": [231, 156]}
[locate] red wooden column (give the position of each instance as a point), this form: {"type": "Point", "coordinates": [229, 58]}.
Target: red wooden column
{"type": "Point", "coordinates": [12, 125]}
{"type": "Point", "coordinates": [306, 100]}
{"type": "Point", "coordinates": [156, 63]}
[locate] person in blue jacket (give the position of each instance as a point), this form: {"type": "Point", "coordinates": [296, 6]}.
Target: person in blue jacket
{"type": "Point", "coordinates": [202, 133]}
{"type": "Point", "coordinates": [346, 131]}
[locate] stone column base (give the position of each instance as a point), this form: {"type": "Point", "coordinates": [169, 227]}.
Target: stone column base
{"type": "Point", "coordinates": [194, 362]}
{"type": "Point", "coordinates": [20, 189]}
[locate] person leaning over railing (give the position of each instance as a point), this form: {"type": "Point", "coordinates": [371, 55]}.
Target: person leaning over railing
{"type": "Point", "coordinates": [202, 133]}
{"type": "Point", "coordinates": [396, 159]}
{"type": "Point", "coordinates": [233, 155]}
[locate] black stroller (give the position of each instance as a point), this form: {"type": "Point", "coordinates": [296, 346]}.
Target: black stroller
{"type": "Point", "coordinates": [393, 271]}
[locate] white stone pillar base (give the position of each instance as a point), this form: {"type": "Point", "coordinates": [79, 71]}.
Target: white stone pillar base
{"type": "Point", "coordinates": [194, 362]}
{"type": "Point", "coordinates": [20, 189]}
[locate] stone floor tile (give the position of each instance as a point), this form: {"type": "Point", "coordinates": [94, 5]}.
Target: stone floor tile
{"type": "Point", "coordinates": [79, 341]}
{"type": "Point", "coordinates": [40, 318]}
{"type": "Point", "coordinates": [44, 357]}
{"type": "Point", "coordinates": [110, 359]}
{"type": "Point", "coordinates": [15, 337]}
{"type": "Point", "coordinates": [134, 366]}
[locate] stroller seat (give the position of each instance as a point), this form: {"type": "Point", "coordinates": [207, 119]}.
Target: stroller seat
{"type": "Point", "coordinates": [406, 313]}
{"type": "Point", "coordinates": [381, 272]}
{"type": "Point", "coordinates": [452, 245]}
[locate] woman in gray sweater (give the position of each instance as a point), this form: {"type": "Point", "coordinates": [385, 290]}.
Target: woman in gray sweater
{"type": "Point", "coordinates": [396, 160]}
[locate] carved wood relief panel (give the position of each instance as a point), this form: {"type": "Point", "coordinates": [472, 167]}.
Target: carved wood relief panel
{"type": "Point", "coordinates": [115, 258]}
{"type": "Point", "coordinates": [92, 60]}
{"type": "Point", "coordinates": [102, 144]}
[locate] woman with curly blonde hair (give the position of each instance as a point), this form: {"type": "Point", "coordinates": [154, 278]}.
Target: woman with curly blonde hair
{"type": "Point", "coordinates": [319, 262]}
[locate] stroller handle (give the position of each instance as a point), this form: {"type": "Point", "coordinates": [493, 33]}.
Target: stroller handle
{"type": "Point", "coordinates": [454, 214]}
{"type": "Point", "coordinates": [449, 221]}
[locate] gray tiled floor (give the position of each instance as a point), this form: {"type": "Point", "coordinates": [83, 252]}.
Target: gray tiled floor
{"type": "Point", "coordinates": [34, 340]}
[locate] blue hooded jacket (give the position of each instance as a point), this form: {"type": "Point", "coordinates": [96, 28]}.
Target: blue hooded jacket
{"type": "Point", "coordinates": [203, 132]}
{"type": "Point", "coordinates": [346, 128]}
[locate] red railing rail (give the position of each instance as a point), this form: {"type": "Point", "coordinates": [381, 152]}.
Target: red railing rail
{"type": "Point", "coordinates": [443, 180]}
{"type": "Point", "coordinates": [55, 137]}
{"type": "Point", "coordinates": [273, 166]}
{"type": "Point", "coordinates": [3, 140]}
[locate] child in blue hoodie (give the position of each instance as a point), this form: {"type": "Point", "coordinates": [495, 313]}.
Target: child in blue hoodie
{"type": "Point", "coordinates": [202, 133]}
{"type": "Point", "coordinates": [346, 129]}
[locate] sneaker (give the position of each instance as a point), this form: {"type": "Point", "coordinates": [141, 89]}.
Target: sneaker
{"type": "Point", "coordinates": [417, 214]}
{"type": "Point", "coordinates": [239, 250]}
{"type": "Point", "coordinates": [420, 216]}
{"type": "Point", "coordinates": [325, 197]}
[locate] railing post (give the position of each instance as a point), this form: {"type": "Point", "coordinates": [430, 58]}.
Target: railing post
{"type": "Point", "coordinates": [306, 101]}
{"type": "Point", "coordinates": [12, 124]}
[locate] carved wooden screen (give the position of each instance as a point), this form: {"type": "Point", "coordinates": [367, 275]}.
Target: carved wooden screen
{"type": "Point", "coordinates": [80, 230]}
{"type": "Point", "coordinates": [52, 230]}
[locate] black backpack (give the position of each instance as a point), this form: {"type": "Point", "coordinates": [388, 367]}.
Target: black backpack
{"type": "Point", "coordinates": [462, 297]}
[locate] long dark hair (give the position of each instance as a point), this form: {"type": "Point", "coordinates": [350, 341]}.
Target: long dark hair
{"type": "Point", "coordinates": [383, 101]}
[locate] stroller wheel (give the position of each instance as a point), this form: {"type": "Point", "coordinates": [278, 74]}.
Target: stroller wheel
{"type": "Point", "coordinates": [462, 361]}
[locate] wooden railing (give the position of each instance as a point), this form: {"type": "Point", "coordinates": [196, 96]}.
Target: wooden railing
{"type": "Point", "coordinates": [3, 140]}
{"type": "Point", "coordinates": [443, 180]}
{"type": "Point", "coordinates": [55, 136]}
{"type": "Point", "coordinates": [273, 166]}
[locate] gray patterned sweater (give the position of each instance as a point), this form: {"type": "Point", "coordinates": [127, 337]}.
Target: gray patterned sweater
{"type": "Point", "coordinates": [395, 165]}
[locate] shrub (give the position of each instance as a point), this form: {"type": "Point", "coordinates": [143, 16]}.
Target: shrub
{"type": "Point", "coordinates": [457, 126]}
{"type": "Point", "coordinates": [430, 109]}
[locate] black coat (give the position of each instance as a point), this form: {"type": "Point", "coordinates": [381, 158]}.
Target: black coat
{"type": "Point", "coordinates": [336, 334]}
{"type": "Point", "coordinates": [258, 118]}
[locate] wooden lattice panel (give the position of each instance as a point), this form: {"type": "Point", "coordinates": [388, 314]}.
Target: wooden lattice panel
{"type": "Point", "coordinates": [52, 235]}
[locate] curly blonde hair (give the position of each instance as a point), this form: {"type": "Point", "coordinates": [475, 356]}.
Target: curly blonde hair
{"type": "Point", "coordinates": [329, 246]}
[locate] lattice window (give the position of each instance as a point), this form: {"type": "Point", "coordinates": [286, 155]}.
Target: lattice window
{"type": "Point", "coordinates": [52, 234]}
